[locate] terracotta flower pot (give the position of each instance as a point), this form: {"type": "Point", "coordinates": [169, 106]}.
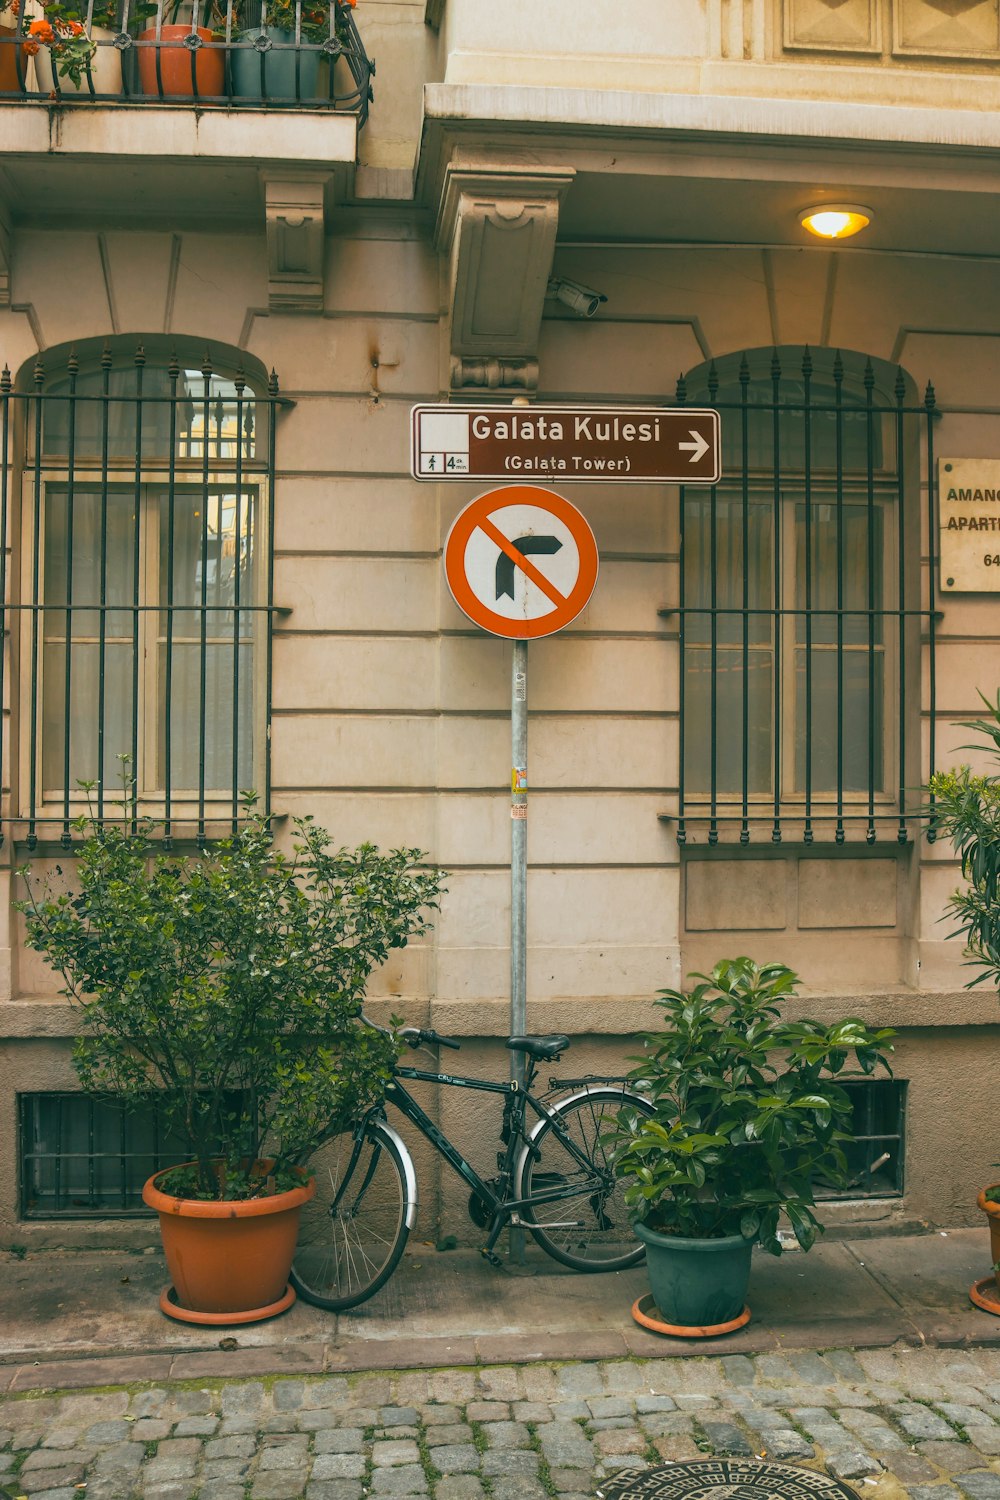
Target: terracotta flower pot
{"type": "Point", "coordinates": [9, 83]}
{"type": "Point", "coordinates": [992, 1212]}
{"type": "Point", "coordinates": [175, 74]}
{"type": "Point", "coordinates": [228, 1260]}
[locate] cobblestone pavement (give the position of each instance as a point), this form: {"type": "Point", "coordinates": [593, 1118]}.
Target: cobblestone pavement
{"type": "Point", "coordinates": [917, 1422]}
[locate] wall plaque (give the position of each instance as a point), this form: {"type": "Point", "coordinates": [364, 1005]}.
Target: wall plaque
{"type": "Point", "coordinates": [969, 510]}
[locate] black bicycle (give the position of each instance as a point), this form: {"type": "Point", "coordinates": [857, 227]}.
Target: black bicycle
{"type": "Point", "coordinates": [555, 1179]}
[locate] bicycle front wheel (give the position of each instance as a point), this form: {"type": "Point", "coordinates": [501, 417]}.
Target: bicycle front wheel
{"type": "Point", "coordinates": [353, 1232]}
{"type": "Point", "coordinates": [588, 1227]}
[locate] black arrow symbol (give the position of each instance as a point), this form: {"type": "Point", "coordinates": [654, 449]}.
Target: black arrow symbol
{"type": "Point", "coordinates": [526, 545]}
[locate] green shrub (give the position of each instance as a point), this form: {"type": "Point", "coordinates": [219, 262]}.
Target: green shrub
{"type": "Point", "coordinates": [748, 1118]}
{"type": "Point", "coordinates": [228, 985]}
{"type": "Point", "coordinates": [966, 807]}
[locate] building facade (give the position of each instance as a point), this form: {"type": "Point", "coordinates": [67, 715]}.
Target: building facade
{"type": "Point", "coordinates": [217, 312]}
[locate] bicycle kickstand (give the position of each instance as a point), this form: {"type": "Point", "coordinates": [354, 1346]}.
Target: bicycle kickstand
{"type": "Point", "coordinates": [487, 1251]}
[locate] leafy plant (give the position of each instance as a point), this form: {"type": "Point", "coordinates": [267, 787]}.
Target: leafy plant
{"type": "Point", "coordinates": [318, 22]}
{"type": "Point", "coordinates": [66, 38]}
{"type": "Point", "coordinates": [228, 986]}
{"type": "Point", "coordinates": [105, 12]}
{"type": "Point", "coordinates": [63, 30]}
{"type": "Point", "coordinates": [748, 1118]}
{"type": "Point", "coordinates": [966, 807]}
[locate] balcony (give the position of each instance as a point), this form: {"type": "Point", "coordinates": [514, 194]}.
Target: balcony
{"type": "Point", "coordinates": [232, 54]}
{"type": "Point", "coordinates": [183, 114]}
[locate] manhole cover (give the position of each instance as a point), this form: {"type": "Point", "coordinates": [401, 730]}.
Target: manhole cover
{"type": "Point", "coordinates": [725, 1479]}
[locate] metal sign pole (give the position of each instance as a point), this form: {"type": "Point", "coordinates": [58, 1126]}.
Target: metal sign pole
{"type": "Point", "coordinates": [518, 878]}
{"type": "Point", "coordinates": [521, 562]}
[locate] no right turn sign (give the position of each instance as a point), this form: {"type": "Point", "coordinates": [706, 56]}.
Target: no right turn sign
{"type": "Point", "coordinates": [521, 562]}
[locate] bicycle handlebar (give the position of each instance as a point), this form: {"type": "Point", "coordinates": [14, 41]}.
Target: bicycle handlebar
{"type": "Point", "coordinates": [413, 1036]}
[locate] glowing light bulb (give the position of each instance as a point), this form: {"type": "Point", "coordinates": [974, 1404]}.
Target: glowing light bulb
{"type": "Point", "coordinates": [835, 221]}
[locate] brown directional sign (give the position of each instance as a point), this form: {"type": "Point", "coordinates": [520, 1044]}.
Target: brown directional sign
{"type": "Point", "coordinates": [624, 444]}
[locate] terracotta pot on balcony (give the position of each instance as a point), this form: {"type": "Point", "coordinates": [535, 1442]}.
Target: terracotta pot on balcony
{"type": "Point", "coordinates": [104, 73]}
{"type": "Point", "coordinates": [176, 76]}
{"type": "Point", "coordinates": [9, 82]}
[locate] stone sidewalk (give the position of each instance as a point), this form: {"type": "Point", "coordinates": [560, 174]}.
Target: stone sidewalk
{"type": "Point", "coordinates": [905, 1422]}
{"type": "Point", "coordinates": [83, 1319]}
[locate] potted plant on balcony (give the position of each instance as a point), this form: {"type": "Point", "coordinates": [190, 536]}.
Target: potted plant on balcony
{"type": "Point", "coordinates": [268, 61]}
{"type": "Point", "coordinates": [748, 1121]}
{"type": "Point", "coordinates": [226, 987]}
{"type": "Point", "coordinates": [183, 54]}
{"type": "Point", "coordinates": [966, 807]}
{"type": "Point", "coordinates": [10, 82]}
{"type": "Point", "coordinates": [67, 54]}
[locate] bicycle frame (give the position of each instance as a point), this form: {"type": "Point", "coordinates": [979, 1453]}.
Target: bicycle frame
{"type": "Point", "coordinates": [558, 1159]}
{"type": "Point", "coordinates": [515, 1108]}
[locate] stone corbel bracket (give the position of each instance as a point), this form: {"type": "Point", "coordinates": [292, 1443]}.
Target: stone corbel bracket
{"type": "Point", "coordinates": [296, 240]}
{"type": "Point", "coordinates": [498, 228]}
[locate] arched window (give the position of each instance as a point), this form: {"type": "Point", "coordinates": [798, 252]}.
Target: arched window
{"type": "Point", "coordinates": [800, 602]}
{"type": "Point", "coordinates": [143, 606]}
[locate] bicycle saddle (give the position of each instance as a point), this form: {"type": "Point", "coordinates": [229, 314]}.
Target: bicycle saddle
{"type": "Point", "coordinates": [539, 1046]}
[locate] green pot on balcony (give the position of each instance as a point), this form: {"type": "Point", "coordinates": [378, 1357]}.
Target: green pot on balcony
{"type": "Point", "coordinates": [271, 74]}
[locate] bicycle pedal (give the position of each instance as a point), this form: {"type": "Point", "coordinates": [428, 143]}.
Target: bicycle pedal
{"type": "Point", "coordinates": [492, 1257]}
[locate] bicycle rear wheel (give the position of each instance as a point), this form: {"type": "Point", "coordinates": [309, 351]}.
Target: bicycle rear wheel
{"type": "Point", "coordinates": [353, 1232]}
{"type": "Point", "coordinates": [589, 1228]}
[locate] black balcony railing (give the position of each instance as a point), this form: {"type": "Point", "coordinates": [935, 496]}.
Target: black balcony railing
{"type": "Point", "coordinates": [246, 54]}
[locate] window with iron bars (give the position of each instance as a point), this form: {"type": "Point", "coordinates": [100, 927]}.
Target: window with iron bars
{"type": "Point", "coordinates": [141, 606]}
{"type": "Point", "coordinates": [800, 603]}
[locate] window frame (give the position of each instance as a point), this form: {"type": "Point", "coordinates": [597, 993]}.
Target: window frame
{"type": "Point", "coordinates": [232, 460]}
{"type": "Point", "coordinates": [150, 789]}
{"type": "Point", "coordinates": [872, 455]}
{"type": "Point", "coordinates": [792, 792]}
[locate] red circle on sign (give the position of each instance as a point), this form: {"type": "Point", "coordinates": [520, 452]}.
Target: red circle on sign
{"type": "Point", "coordinates": [477, 516]}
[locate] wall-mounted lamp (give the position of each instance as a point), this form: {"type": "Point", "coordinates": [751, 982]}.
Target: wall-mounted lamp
{"type": "Point", "coordinates": [582, 300]}
{"type": "Point", "coordinates": [835, 221]}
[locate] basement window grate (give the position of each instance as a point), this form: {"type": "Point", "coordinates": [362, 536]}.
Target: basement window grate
{"type": "Point", "coordinates": [85, 1158]}
{"type": "Point", "coordinates": [876, 1155]}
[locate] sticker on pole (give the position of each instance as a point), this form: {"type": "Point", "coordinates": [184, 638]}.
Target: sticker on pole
{"type": "Point", "coordinates": [521, 562]}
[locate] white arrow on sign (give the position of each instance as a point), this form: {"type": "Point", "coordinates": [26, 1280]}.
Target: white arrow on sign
{"type": "Point", "coordinates": [696, 449]}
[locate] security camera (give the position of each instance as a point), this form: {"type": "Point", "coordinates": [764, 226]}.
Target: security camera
{"type": "Point", "coordinates": [582, 300]}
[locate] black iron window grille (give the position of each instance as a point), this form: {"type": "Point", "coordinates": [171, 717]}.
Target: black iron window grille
{"type": "Point", "coordinates": [800, 606]}
{"type": "Point", "coordinates": [876, 1156]}
{"type": "Point", "coordinates": [88, 1158]}
{"type": "Point", "coordinates": [139, 614]}
{"type": "Point", "coordinates": [239, 53]}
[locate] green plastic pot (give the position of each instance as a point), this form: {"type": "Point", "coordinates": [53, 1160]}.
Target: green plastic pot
{"type": "Point", "coordinates": [279, 82]}
{"type": "Point", "coordinates": [697, 1283]}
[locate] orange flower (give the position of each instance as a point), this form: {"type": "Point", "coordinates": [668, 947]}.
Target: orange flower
{"type": "Point", "coordinates": [42, 30]}
{"type": "Point", "coordinates": [75, 28]}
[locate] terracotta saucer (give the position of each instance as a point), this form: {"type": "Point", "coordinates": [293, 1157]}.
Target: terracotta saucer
{"type": "Point", "coordinates": [648, 1315]}
{"type": "Point", "coordinates": [986, 1294]}
{"type": "Point", "coordinates": [173, 1309]}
